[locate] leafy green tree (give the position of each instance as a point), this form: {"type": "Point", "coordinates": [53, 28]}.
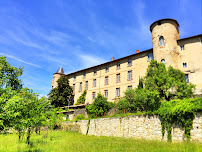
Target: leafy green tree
{"type": "Point", "coordinates": [99, 106]}
{"type": "Point", "coordinates": [82, 98]}
{"type": "Point", "coordinates": [61, 95]}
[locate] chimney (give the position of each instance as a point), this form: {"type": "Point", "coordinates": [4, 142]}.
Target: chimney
{"type": "Point", "coordinates": [112, 58]}
{"type": "Point", "coordinates": [137, 51]}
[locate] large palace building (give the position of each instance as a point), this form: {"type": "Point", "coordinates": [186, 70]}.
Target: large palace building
{"type": "Point", "coordinates": [112, 78]}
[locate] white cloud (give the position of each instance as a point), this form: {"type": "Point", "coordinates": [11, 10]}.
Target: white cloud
{"type": "Point", "coordinates": [20, 60]}
{"type": "Point", "coordinates": [89, 60]}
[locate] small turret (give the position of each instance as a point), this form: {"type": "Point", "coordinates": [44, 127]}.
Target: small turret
{"type": "Point", "coordinates": [56, 76]}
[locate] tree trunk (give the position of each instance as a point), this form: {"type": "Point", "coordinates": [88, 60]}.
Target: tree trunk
{"type": "Point", "coordinates": [28, 135]}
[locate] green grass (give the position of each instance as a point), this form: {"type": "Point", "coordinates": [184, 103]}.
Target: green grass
{"type": "Point", "coordinates": [58, 141]}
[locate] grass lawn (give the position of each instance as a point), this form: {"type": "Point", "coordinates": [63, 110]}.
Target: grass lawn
{"type": "Point", "coordinates": [58, 141]}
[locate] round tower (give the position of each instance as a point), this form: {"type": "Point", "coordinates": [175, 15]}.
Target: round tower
{"type": "Point", "coordinates": [56, 76]}
{"type": "Point", "coordinates": [165, 33]}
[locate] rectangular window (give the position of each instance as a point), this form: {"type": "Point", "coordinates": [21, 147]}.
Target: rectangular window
{"type": "Point", "coordinates": [129, 62]}
{"type": "Point", "coordinates": [150, 56]}
{"type": "Point", "coordinates": [118, 66]}
{"type": "Point", "coordinates": [129, 75]}
{"type": "Point", "coordinates": [95, 72]}
{"type": "Point", "coordinates": [201, 39]}
{"type": "Point", "coordinates": [94, 82]}
{"type": "Point", "coordinates": [86, 86]}
{"type": "Point", "coordinates": [73, 88]}
{"type": "Point", "coordinates": [107, 68]}
{"type": "Point", "coordinates": [80, 87]}
{"type": "Point", "coordinates": [184, 65]}
{"type": "Point", "coordinates": [182, 47]}
{"type": "Point", "coordinates": [74, 77]}
{"type": "Point", "coordinates": [130, 87]}
{"type": "Point", "coordinates": [93, 95]}
{"type": "Point", "coordinates": [106, 80]}
{"type": "Point", "coordinates": [106, 93]}
{"type": "Point", "coordinates": [117, 92]}
{"type": "Point", "coordinates": [84, 75]}
{"type": "Point", "coordinates": [187, 78]}
{"type": "Point", "coordinates": [118, 78]}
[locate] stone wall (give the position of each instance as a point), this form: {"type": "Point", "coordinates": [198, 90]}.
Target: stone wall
{"type": "Point", "coordinates": [142, 127]}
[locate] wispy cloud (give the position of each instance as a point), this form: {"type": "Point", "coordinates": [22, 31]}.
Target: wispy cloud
{"type": "Point", "coordinates": [20, 60]}
{"type": "Point", "coordinates": [89, 60]}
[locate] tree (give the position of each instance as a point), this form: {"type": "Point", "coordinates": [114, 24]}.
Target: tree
{"type": "Point", "coordinates": [10, 83]}
{"type": "Point", "coordinates": [60, 95]}
{"type": "Point", "coordinates": [99, 106]}
{"type": "Point", "coordinates": [82, 98]}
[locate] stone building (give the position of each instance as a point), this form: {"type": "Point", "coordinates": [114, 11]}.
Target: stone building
{"type": "Point", "coordinates": [112, 78]}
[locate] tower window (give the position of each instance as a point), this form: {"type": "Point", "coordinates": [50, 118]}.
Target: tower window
{"type": "Point", "coordinates": [80, 87]}
{"type": "Point", "coordinates": [161, 41]}
{"type": "Point", "coordinates": [187, 78]}
{"type": "Point", "coordinates": [163, 61]}
{"type": "Point", "coordinates": [184, 65]}
{"type": "Point", "coordinates": [150, 56]}
{"type": "Point", "coordinates": [182, 47]}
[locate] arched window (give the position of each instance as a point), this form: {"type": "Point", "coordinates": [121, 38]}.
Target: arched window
{"type": "Point", "coordinates": [163, 61]}
{"type": "Point", "coordinates": [161, 41]}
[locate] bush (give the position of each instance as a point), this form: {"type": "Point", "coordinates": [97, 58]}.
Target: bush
{"type": "Point", "coordinates": [99, 106]}
{"type": "Point", "coordinates": [79, 117]}
{"type": "Point", "coordinates": [82, 98]}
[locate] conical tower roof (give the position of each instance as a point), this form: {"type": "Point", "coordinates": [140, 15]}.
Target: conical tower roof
{"type": "Point", "coordinates": [60, 70]}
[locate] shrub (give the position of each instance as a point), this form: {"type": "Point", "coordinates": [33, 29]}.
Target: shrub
{"type": "Point", "coordinates": [82, 98]}
{"type": "Point", "coordinates": [79, 117]}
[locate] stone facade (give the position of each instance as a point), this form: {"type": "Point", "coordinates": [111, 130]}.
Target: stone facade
{"type": "Point", "coordinates": [140, 127]}
{"type": "Point", "coordinates": [186, 59]}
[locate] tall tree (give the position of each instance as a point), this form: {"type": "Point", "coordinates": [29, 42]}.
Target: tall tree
{"type": "Point", "coordinates": [61, 95]}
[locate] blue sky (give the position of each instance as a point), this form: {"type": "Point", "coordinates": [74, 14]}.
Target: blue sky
{"type": "Point", "coordinates": [42, 35]}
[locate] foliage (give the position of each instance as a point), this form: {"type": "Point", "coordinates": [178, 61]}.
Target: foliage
{"type": "Point", "coordinates": [99, 107]}
{"type": "Point", "coordinates": [180, 110]}
{"type": "Point", "coordinates": [82, 98]}
{"type": "Point", "coordinates": [79, 117]}
{"type": "Point", "coordinates": [61, 95]}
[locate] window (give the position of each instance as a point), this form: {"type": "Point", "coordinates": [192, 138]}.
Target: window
{"type": "Point", "coordinates": [95, 72]}
{"type": "Point", "coordinates": [184, 65]}
{"type": "Point", "coordinates": [130, 87]}
{"type": "Point", "coordinates": [86, 86]}
{"type": "Point", "coordinates": [74, 77]}
{"type": "Point", "coordinates": [106, 93]}
{"type": "Point", "coordinates": [106, 80]}
{"type": "Point", "coordinates": [118, 78]}
{"type": "Point", "coordinates": [187, 78]}
{"type": "Point", "coordinates": [150, 56]}
{"type": "Point", "coordinates": [201, 39]}
{"type": "Point", "coordinates": [163, 61]}
{"type": "Point", "coordinates": [107, 68]}
{"type": "Point", "coordinates": [93, 95]}
{"type": "Point", "coordinates": [117, 92]}
{"type": "Point", "coordinates": [73, 88]}
{"type": "Point", "coordinates": [84, 75]}
{"type": "Point", "coordinates": [80, 87]}
{"type": "Point", "coordinates": [182, 47]}
{"type": "Point", "coordinates": [94, 82]}
{"type": "Point", "coordinates": [129, 62]}
{"type": "Point", "coordinates": [118, 66]}
{"type": "Point", "coordinates": [129, 75]}
{"type": "Point", "coordinates": [161, 41]}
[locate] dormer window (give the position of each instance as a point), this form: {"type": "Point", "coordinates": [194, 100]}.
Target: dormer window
{"type": "Point", "coordinates": [182, 47]}
{"type": "Point", "coordinates": [84, 75]}
{"type": "Point", "coordinates": [161, 41]}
